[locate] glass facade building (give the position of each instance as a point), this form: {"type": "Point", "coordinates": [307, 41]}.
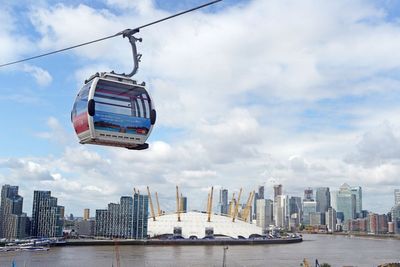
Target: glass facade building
{"type": "Point", "coordinates": [346, 203]}
{"type": "Point", "coordinates": [127, 219]}
{"type": "Point", "coordinates": [12, 219]}
{"type": "Point", "coordinates": [47, 220]}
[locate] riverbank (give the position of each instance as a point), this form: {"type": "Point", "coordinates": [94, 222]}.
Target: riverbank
{"type": "Point", "coordinates": [182, 242]}
{"type": "Point", "coordinates": [358, 234]}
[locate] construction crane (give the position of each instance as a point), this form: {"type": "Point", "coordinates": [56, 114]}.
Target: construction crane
{"type": "Point", "coordinates": [237, 206]}
{"type": "Point", "coordinates": [153, 215]}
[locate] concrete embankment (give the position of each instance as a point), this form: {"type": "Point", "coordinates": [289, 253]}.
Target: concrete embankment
{"type": "Point", "coordinates": [183, 242]}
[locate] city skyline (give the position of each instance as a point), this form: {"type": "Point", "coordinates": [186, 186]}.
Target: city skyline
{"type": "Point", "coordinates": [216, 205]}
{"type": "Point", "coordinates": [274, 101]}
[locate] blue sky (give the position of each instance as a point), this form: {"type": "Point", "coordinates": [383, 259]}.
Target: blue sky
{"type": "Point", "coordinates": [248, 93]}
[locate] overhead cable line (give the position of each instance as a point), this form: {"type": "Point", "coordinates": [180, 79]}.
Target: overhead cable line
{"type": "Point", "coordinates": [126, 32]}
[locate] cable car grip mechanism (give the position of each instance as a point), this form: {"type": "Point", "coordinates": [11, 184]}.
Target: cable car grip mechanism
{"type": "Point", "coordinates": [136, 57]}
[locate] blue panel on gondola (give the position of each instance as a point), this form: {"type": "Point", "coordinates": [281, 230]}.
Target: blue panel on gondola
{"type": "Point", "coordinates": [114, 122]}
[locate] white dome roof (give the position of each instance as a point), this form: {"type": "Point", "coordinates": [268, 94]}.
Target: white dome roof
{"type": "Point", "coordinates": [194, 223]}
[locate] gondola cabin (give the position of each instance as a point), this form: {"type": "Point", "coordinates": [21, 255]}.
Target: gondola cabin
{"type": "Point", "coordinates": [113, 110]}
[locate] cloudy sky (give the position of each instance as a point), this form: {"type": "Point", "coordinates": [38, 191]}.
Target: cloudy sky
{"type": "Point", "coordinates": [248, 93]}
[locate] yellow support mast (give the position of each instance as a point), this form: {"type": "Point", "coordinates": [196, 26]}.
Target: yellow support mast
{"type": "Point", "coordinates": [209, 211]}
{"type": "Point", "coordinates": [153, 215]}
{"type": "Point", "coordinates": [246, 211]}
{"type": "Point", "coordinates": [158, 206]}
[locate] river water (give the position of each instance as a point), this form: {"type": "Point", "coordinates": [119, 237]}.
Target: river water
{"type": "Point", "coordinates": [335, 250]}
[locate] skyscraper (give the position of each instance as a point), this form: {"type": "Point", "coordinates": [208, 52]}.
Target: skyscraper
{"type": "Point", "coordinates": [396, 218]}
{"type": "Point", "coordinates": [183, 204]}
{"type": "Point", "coordinates": [223, 201]}
{"type": "Point", "coordinates": [264, 213]}
{"type": "Point", "coordinates": [258, 195]}
{"type": "Point", "coordinates": [295, 206]}
{"type": "Point", "coordinates": [46, 215]}
{"type": "Point", "coordinates": [309, 207]}
{"type": "Point", "coordinates": [12, 219]}
{"type": "Point", "coordinates": [86, 214]}
{"type": "Point", "coordinates": [323, 199]}
{"type": "Point", "coordinates": [140, 214]}
{"type": "Point", "coordinates": [396, 196]}
{"type": "Point", "coordinates": [330, 218]}
{"type": "Point", "coordinates": [357, 192]}
{"type": "Point", "coordinates": [277, 190]}
{"type": "Point", "coordinates": [308, 194]}
{"type": "Point", "coordinates": [346, 203]}
{"type": "Point", "coordinates": [127, 219]}
{"type": "Point", "coordinates": [261, 192]}
{"type": "Point", "coordinates": [281, 211]}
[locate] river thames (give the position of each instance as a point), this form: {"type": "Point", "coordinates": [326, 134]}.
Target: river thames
{"type": "Point", "coordinates": [335, 250]}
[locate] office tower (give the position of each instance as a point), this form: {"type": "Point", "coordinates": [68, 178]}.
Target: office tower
{"type": "Point", "coordinates": [281, 211]}
{"type": "Point", "coordinates": [295, 206]}
{"type": "Point", "coordinates": [308, 194]}
{"type": "Point", "coordinates": [264, 213]}
{"type": "Point", "coordinates": [46, 215]}
{"type": "Point", "coordinates": [12, 219]}
{"type": "Point", "coordinates": [308, 208]}
{"type": "Point", "coordinates": [258, 195]}
{"type": "Point", "coordinates": [223, 201]}
{"type": "Point", "coordinates": [7, 191]}
{"type": "Point", "coordinates": [127, 219]}
{"type": "Point", "coordinates": [255, 205]}
{"type": "Point", "coordinates": [357, 192]}
{"type": "Point", "coordinates": [261, 192]}
{"type": "Point", "coordinates": [277, 190]}
{"type": "Point", "coordinates": [183, 204]}
{"type": "Point", "coordinates": [86, 214]}
{"type": "Point", "coordinates": [396, 196]}
{"type": "Point", "coordinates": [102, 222]}
{"type": "Point", "coordinates": [346, 203]}
{"type": "Point", "coordinates": [330, 219]}
{"type": "Point", "coordinates": [140, 214]}
{"type": "Point", "coordinates": [396, 218]}
{"type": "Point", "coordinates": [323, 199]}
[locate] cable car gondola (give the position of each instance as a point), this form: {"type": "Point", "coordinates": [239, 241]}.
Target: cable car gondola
{"type": "Point", "coordinates": [113, 109]}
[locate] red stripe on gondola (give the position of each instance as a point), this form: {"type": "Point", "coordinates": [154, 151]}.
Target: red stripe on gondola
{"type": "Point", "coordinates": [81, 123]}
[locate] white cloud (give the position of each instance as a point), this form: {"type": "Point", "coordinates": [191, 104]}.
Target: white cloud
{"type": "Point", "coordinates": [376, 147]}
{"type": "Point", "coordinates": [12, 45]}
{"type": "Point", "coordinates": [42, 77]}
{"type": "Point", "coordinates": [56, 134]}
{"type": "Point", "coordinates": [232, 90]}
